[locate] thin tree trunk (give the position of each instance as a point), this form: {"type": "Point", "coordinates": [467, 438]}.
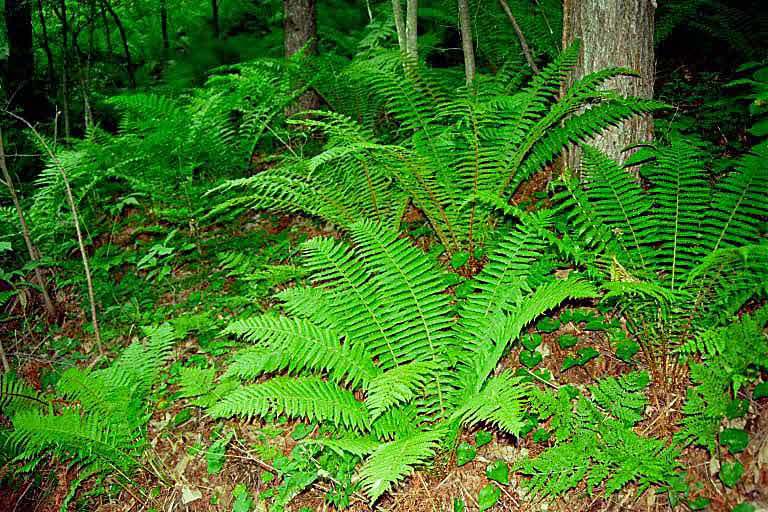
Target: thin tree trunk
{"type": "Point", "coordinates": [124, 40]}
{"type": "Point", "coordinates": [520, 36]}
{"type": "Point", "coordinates": [215, 18]}
{"type": "Point", "coordinates": [65, 67]}
{"type": "Point", "coordinates": [397, 13]}
{"type": "Point", "coordinates": [467, 43]}
{"type": "Point", "coordinates": [411, 29]}
{"type": "Point", "coordinates": [614, 33]}
{"type": "Point", "coordinates": [107, 31]}
{"type": "Point", "coordinates": [164, 26]}
{"type": "Point", "coordinates": [85, 73]}
{"type": "Point", "coordinates": [21, 64]}
{"type": "Point", "coordinates": [46, 45]}
{"type": "Point", "coordinates": [49, 307]}
{"type": "Point", "coordinates": [301, 33]}
{"type": "Point", "coordinates": [76, 219]}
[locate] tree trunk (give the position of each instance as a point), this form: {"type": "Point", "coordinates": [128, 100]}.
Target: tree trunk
{"type": "Point", "coordinates": [467, 44]}
{"type": "Point", "coordinates": [411, 29]}
{"type": "Point", "coordinates": [164, 26]}
{"type": "Point", "coordinates": [124, 40]}
{"type": "Point", "coordinates": [65, 66]}
{"type": "Point", "coordinates": [21, 64]}
{"type": "Point", "coordinates": [520, 36]}
{"type": "Point", "coordinates": [615, 33]}
{"type": "Point", "coordinates": [107, 31]}
{"type": "Point", "coordinates": [215, 18]}
{"type": "Point", "coordinates": [46, 45]}
{"type": "Point", "coordinates": [301, 32]}
{"type": "Point", "coordinates": [397, 13]}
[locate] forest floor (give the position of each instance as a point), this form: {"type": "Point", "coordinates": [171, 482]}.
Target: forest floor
{"type": "Point", "coordinates": [198, 475]}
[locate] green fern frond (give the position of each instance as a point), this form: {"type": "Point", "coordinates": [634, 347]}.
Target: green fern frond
{"type": "Point", "coordinates": [398, 385]}
{"type": "Point", "coordinates": [16, 395]}
{"type": "Point", "coordinates": [501, 402]}
{"type": "Point", "coordinates": [393, 461]}
{"type": "Point", "coordinates": [72, 436]}
{"type": "Point", "coordinates": [309, 398]}
{"type": "Point", "coordinates": [623, 398]}
{"type": "Point", "coordinates": [297, 346]}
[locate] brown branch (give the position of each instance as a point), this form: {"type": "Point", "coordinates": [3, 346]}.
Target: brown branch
{"type": "Point", "coordinates": [76, 220]}
{"type": "Point", "coordinates": [520, 36]}
{"type": "Point", "coordinates": [49, 307]}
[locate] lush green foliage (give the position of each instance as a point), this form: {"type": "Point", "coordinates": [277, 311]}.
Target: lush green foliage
{"type": "Point", "coordinates": [357, 276]}
{"type": "Point", "coordinates": [421, 373]}
{"type": "Point", "coordinates": [446, 154]}
{"type": "Point", "coordinates": [681, 255]}
{"type": "Point", "coordinates": [98, 422]}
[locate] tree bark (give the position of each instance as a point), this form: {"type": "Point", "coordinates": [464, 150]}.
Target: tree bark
{"type": "Point", "coordinates": [467, 43]}
{"type": "Point", "coordinates": [301, 33]}
{"type": "Point", "coordinates": [614, 33]}
{"type": "Point", "coordinates": [215, 18]}
{"type": "Point", "coordinates": [412, 29]}
{"type": "Point", "coordinates": [46, 45]}
{"type": "Point", "coordinates": [124, 40]}
{"type": "Point", "coordinates": [397, 13]}
{"type": "Point", "coordinates": [21, 64]}
{"type": "Point", "coordinates": [33, 256]}
{"type": "Point", "coordinates": [164, 26]}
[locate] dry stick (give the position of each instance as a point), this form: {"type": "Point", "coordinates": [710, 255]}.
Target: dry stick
{"type": "Point", "coordinates": [6, 366]}
{"type": "Point", "coordinates": [467, 43]}
{"type": "Point", "coordinates": [76, 220]}
{"type": "Point", "coordinates": [520, 36]}
{"type": "Point", "coordinates": [49, 307]}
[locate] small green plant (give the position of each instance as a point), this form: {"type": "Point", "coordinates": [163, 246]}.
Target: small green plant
{"type": "Point", "coordinates": [596, 444]}
{"type": "Point", "coordinates": [395, 386]}
{"type": "Point", "coordinates": [669, 267]}
{"type": "Point", "coordinates": [96, 419]}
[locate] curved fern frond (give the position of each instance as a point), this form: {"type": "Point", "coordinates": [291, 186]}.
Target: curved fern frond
{"type": "Point", "coordinates": [393, 461]}
{"type": "Point", "coordinates": [297, 346]}
{"type": "Point", "coordinates": [501, 402]}
{"type": "Point", "coordinates": [308, 398]}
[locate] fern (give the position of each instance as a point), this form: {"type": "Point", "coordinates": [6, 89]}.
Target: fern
{"type": "Point", "coordinates": [686, 249]}
{"type": "Point", "coordinates": [596, 445]}
{"type": "Point", "coordinates": [733, 356]}
{"type": "Point", "coordinates": [378, 350]}
{"type": "Point", "coordinates": [99, 418]}
{"type": "Point", "coordinates": [445, 153]}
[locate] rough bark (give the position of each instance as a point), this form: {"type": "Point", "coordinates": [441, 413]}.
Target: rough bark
{"type": "Point", "coordinates": [301, 34]}
{"type": "Point", "coordinates": [467, 43]}
{"type": "Point", "coordinates": [21, 65]}
{"type": "Point", "coordinates": [615, 33]}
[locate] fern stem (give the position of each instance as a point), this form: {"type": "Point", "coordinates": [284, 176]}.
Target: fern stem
{"type": "Point", "coordinates": [33, 255]}
{"type": "Point", "coordinates": [78, 231]}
